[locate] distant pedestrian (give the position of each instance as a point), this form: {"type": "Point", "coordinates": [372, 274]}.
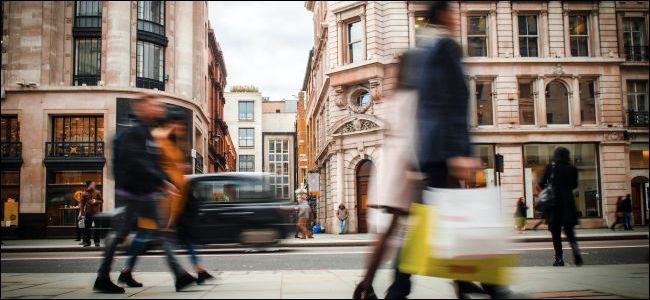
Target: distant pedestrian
{"type": "Point", "coordinates": [90, 204]}
{"type": "Point", "coordinates": [563, 215]}
{"type": "Point", "coordinates": [343, 215]}
{"type": "Point", "coordinates": [620, 214]}
{"type": "Point", "coordinates": [521, 211]}
{"type": "Point", "coordinates": [304, 214]}
{"type": "Point", "coordinates": [627, 212]}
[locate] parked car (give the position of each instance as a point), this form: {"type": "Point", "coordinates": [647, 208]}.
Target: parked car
{"type": "Point", "coordinates": [233, 208]}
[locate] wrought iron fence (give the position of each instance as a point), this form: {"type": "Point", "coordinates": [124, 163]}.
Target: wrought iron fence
{"type": "Point", "coordinates": [74, 150]}
{"type": "Point", "coordinates": [10, 150]}
{"type": "Point", "coordinates": [638, 118]}
{"type": "Point", "coordinates": [148, 83]}
{"type": "Point", "coordinates": [636, 53]}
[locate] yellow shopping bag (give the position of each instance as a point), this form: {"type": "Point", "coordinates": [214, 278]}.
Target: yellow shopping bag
{"type": "Point", "coordinates": [418, 255]}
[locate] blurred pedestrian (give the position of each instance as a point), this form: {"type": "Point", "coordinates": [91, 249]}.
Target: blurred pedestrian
{"type": "Point", "coordinates": [169, 207]}
{"type": "Point", "coordinates": [627, 212]}
{"type": "Point", "coordinates": [342, 214]}
{"type": "Point", "coordinates": [620, 214]}
{"type": "Point", "coordinates": [90, 204]}
{"type": "Point", "coordinates": [521, 211]}
{"type": "Point", "coordinates": [139, 179]}
{"type": "Point", "coordinates": [563, 176]}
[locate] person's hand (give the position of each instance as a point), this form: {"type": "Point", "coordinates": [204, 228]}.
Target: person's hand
{"type": "Point", "coordinates": [462, 167]}
{"type": "Point", "coordinates": [172, 189]}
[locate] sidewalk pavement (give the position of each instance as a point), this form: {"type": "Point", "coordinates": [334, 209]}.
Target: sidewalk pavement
{"type": "Point", "coordinates": [328, 240]}
{"type": "Point", "coordinates": [604, 282]}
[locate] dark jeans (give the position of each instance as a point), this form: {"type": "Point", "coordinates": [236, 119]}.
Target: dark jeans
{"type": "Point", "coordinates": [556, 233]}
{"type": "Point", "coordinates": [139, 244]}
{"type": "Point", "coordinates": [135, 206]}
{"type": "Point", "coordinates": [90, 230]}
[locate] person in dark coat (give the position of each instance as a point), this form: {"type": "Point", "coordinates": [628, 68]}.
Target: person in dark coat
{"type": "Point", "coordinates": [563, 215]}
{"type": "Point", "coordinates": [620, 215]}
{"type": "Point", "coordinates": [626, 208]}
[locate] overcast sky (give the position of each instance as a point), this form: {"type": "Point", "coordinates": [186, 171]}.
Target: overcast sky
{"type": "Point", "coordinates": [265, 44]}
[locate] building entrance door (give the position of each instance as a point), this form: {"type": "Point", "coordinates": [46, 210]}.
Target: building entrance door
{"type": "Point", "coordinates": [363, 177]}
{"type": "Point", "coordinates": [639, 200]}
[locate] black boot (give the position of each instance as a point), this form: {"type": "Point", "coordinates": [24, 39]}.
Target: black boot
{"type": "Point", "coordinates": [364, 291]}
{"type": "Point", "coordinates": [104, 285]}
{"type": "Point", "coordinates": [203, 276]}
{"type": "Point", "coordinates": [183, 281]}
{"type": "Point", "coordinates": [127, 278]}
{"type": "Point", "coordinates": [559, 261]}
{"type": "Point", "coordinates": [577, 257]}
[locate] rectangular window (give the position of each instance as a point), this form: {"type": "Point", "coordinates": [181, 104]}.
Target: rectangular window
{"type": "Point", "coordinates": [477, 36]}
{"type": "Point", "coordinates": [528, 36]}
{"type": "Point", "coordinates": [247, 163]}
{"type": "Point", "coordinates": [88, 14]}
{"type": "Point", "coordinates": [583, 156]}
{"type": "Point", "coordinates": [279, 167]}
{"type": "Point", "coordinates": [87, 61]}
{"type": "Point", "coordinates": [76, 136]}
{"type": "Point", "coordinates": [526, 102]}
{"type": "Point", "coordinates": [637, 102]}
{"type": "Point", "coordinates": [150, 65]}
{"type": "Point", "coordinates": [246, 137]}
{"type": "Point", "coordinates": [484, 112]}
{"type": "Point", "coordinates": [151, 17]}
{"type": "Point", "coordinates": [246, 110]}
{"type": "Point", "coordinates": [579, 35]}
{"type": "Point", "coordinates": [588, 101]}
{"type": "Point", "coordinates": [353, 42]}
{"type": "Point", "coordinates": [634, 41]}
{"type": "Point", "coordinates": [638, 156]}
{"type": "Point", "coordinates": [11, 148]}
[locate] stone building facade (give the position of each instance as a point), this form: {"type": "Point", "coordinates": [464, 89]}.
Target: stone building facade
{"type": "Point", "coordinates": [69, 70]}
{"type": "Point", "coordinates": [243, 115]}
{"type": "Point", "coordinates": [221, 150]}
{"type": "Point", "coordinates": [278, 146]}
{"type": "Point", "coordinates": [541, 74]}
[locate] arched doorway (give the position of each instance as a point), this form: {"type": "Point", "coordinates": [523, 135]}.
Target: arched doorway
{"type": "Point", "coordinates": [364, 168]}
{"type": "Point", "coordinates": [640, 200]}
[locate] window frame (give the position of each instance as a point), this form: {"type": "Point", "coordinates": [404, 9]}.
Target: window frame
{"type": "Point", "coordinates": [634, 55]}
{"type": "Point", "coordinates": [144, 81]}
{"type": "Point", "coordinates": [246, 137]}
{"type": "Point", "coordinates": [533, 99]}
{"type": "Point", "coordinates": [594, 85]}
{"type": "Point", "coordinates": [636, 94]}
{"type": "Point", "coordinates": [79, 79]}
{"type": "Point", "coordinates": [475, 96]}
{"type": "Point", "coordinates": [486, 36]}
{"type": "Point", "coordinates": [348, 54]}
{"type": "Point", "coordinates": [588, 19]}
{"type": "Point", "coordinates": [528, 36]}
{"type": "Point", "coordinates": [568, 102]}
{"type": "Point", "coordinates": [252, 108]}
{"type": "Point", "coordinates": [248, 159]}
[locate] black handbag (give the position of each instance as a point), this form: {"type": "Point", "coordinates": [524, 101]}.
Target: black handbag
{"type": "Point", "coordinates": [546, 198]}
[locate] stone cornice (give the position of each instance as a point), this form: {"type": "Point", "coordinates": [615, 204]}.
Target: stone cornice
{"type": "Point", "coordinates": [540, 60]}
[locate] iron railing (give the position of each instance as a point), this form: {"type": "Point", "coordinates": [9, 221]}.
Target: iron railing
{"type": "Point", "coordinates": [636, 53]}
{"type": "Point", "coordinates": [152, 27]}
{"type": "Point", "coordinates": [148, 83]}
{"type": "Point", "coordinates": [88, 21]}
{"type": "Point", "coordinates": [74, 150]}
{"type": "Point", "coordinates": [198, 164]}
{"type": "Point", "coordinates": [11, 150]}
{"type": "Point", "coordinates": [89, 80]}
{"type": "Point", "coordinates": [637, 118]}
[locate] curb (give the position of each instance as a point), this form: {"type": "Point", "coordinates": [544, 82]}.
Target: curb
{"type": "Point", "coordinates": [356, 243]}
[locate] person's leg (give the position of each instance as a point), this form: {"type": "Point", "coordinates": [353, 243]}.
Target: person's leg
{"type": "Point", "coordinates": [556, 234]}
{"type": "Point", "coordinates": [122, 229]}
{"type": "Point", "coordinates": [496, 291]}
{"type": "Point", "coordinates": [401, 286]}
{"type": "Point", "coordinates": [618, 221]}
{"type": "Point", "coordinates": [137, 247]}
{"type": "Point", "coordinates": [86, 230]}
{"type": "Point", "coordinates": [94, 230]}
{"type": "Point", "coordinates": [628, 221]}
{"type": "Point", "coordinates": [573, 240]}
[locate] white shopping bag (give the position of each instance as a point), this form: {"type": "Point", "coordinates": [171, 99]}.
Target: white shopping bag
{"type": "Point", "coordinates": [467, 222]}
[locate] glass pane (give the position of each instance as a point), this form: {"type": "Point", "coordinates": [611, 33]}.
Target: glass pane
{"type": "Point", "coordinates": [354, 32]}
{"type": "Point", "coordinates": [578, 25]}
{"type": "Point", "coordinates": [477, 46]}
{"type": "Point", "coordinates": [532, 25]}
{"type": "Point", "coordinates": [485, 175]}
{"type": "Point", "coordinates": [526, 103]}
{"type": "Point", "coordinates": [477, 25]}
{"type": "Point", "coordinates": [557, 103]}
{"type": "Point", "coordinates": [355, 52]}
{"type": "Point", "coordinates": [363, 99]}
{"type": "Point", "coordinates": [484, 103]}
{"type": "Point", "coordinates": [587, 102]}
{"type": "Point", "coordinates": [523, 25]}
{"type": "Point", "coordinates": [639, 156]}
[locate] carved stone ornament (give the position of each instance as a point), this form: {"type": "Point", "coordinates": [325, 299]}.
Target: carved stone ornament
{"type": "Point", "coordinates": [614, 136]}
{"type": "Point", "coordinates": [357, 125]}
{"type": "Point", "coordinates": [558, 69]}
{"type": "Point", "coordinates": [337, 96]}
{"type": "Point", "coordinates": [376, 90]}
{"type": "Point", "coordinates": [354, 107]}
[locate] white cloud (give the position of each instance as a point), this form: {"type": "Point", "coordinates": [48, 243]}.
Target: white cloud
{"type": "Point", "coordinates": [265, 44]}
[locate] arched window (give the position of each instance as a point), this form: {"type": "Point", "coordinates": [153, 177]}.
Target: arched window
{"type": "Point", "coordinates": [557, 103]}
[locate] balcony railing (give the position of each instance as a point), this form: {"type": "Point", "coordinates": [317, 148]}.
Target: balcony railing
{"type": "Point", "coordinates": [11, 150]}
{"type": "Point", "coordinates": [87, 21]}
{"type": "Point", "coordinates": [638, 118]}
{"type": "Point", "coordinates": [198, 164]}
{"type": "Point", "coordinates": [147, 83]}
{"type": "Point", "coordinates": [89, 80]}
{"type": "Point", "coordinates": [152, 27]}
{"type": "Point", "coordinates": [73, 150]}
{"type": "Point", "coordinates": [636, 53]}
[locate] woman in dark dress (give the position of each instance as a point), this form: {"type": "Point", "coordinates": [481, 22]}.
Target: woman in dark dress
{"type": "Point", "coordinates": [564, 213]}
